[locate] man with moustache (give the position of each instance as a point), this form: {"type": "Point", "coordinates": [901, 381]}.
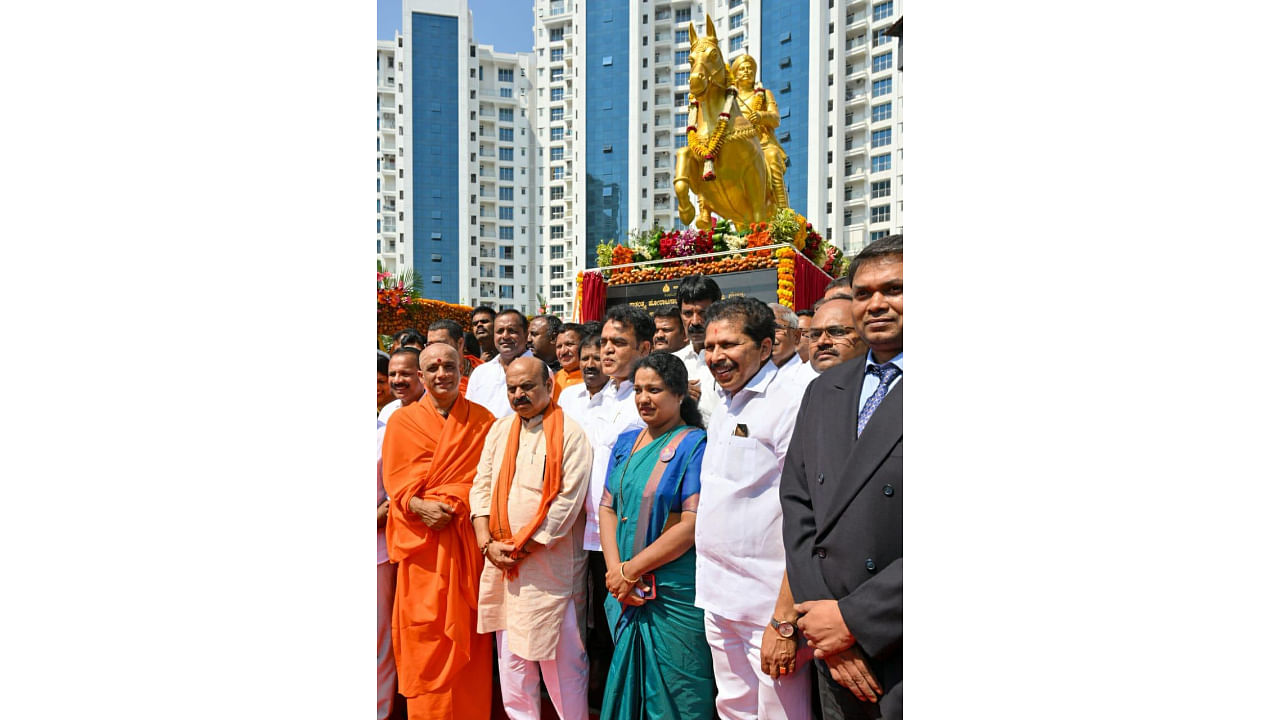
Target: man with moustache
{"type": "Point", "coordinates": [543, 331]}
{"type": "Point", "coordinates": [842, 502]}
{"type": "Point", "coordinates": [694, 295]}
{"type": "Point", "coordinates": [384, 380]}
{"type": "Point", "coordinates": [832, 339]}
{"type": "Point", "coordinates": [527, 511]}
{"type": "Point", "coordinates": [430, 456]}
{"type": "Point", "coordinates": [804, 318]}
{"type": "Point", "coordinates": [575, 398]}
{"type": "Point", "coordinates": [482, 319]}
{"type": "Point", "coordinates": [567, 342]}
{"type": "Point", "coordinates": [786, 335]}
{"type": "Point", "coordinates": [405, 380]}
{"type": "Point", "coordinates": [668, 334]}
{"type": "Point", "coordinates": [488, 384]}
{"type": "Point", "coordinates": [741, 575]}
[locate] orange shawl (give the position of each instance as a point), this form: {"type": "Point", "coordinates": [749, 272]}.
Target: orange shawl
{"type": "Point", "coordinates": [427, 456]}
{"type": "Point", "coordinates": [500, 525]}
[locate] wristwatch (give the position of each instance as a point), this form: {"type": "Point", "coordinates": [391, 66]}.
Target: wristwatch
{"type": "Point", "coordinates": [785, 629]}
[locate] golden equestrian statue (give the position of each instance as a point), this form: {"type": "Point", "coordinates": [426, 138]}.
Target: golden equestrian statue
{"type": "Point", "coordinates": [723, 164]}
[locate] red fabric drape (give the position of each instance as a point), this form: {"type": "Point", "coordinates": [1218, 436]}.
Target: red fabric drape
{"type": "Point", "coordinates": [811, 283]}
{"type": "Point", "coordinates": [593, 288]}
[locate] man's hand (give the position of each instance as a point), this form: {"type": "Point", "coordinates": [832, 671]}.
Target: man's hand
{"type": "Point", "coordinates": [527, 550]}
{"type": "Point", "coordinates": [823, 626]}
{"type": "Point", "coordinates": [435, 514]}
{"type": "Point", "coordinates": [851, 670]}
{"type": "Point", "coordinates": [695, 390]}
{"type": "Point", "coordinates": [777, 654]}
{"type": "Point", "coordinates": [499, 553]}
{"type": "Point", "coordinates": [383, 509]}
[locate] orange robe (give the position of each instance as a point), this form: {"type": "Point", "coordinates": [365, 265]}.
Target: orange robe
{"type": "Point", "coordinates": [563, 380]}
{"type": "Point", "coordinates": [444, 666]}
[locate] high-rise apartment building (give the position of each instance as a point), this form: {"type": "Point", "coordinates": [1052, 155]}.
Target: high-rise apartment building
{"type": "Point", "coordinates": [468, 165]}
{"type": "Point", "coordinates": [517, 165]}
{"type": "Point", "coordinates": [393, 252]}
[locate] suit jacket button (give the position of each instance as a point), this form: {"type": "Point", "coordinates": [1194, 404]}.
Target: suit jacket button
{"type": "Point", "coordinates": [820, 478]}
{"type": "Point", "coordinates": [888, 490]}
{"type": "Point", "coordinates": [871, 565]}
{"type": "Point", "coordinates": [822, 552]}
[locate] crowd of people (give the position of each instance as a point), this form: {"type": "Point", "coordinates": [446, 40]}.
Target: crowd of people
{"type": "Point", "coordinates": [689, 514]}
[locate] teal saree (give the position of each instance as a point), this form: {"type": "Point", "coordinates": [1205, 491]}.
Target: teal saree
{"type": "Point", "coordinates": [661, 662]}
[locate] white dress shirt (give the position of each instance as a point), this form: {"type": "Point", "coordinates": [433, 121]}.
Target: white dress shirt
{"type": "Point", "coordinates": [871, 382]}
{"type": "Point", "coordinates": [799, 374]}
{"type": "Point", "coordinates": [738, 537]}
{"type": "Point", "coordinates": [488, 387]}
{"type": "Point", "coordinates": [611, 412]}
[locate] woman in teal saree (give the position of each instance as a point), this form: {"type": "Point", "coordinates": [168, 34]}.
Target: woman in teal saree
{"type": "Point", "coordinates": [661, 662]}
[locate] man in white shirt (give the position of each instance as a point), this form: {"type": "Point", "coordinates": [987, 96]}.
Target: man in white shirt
{"type": "Point", "coordinates": [575, 398]}
{"type": "Point", "coordinates": [406, 381]}
{"type": "Point", "coordinates": [694, 295]}
{"type": "Point", "coordinates": [741, 568]}
{"type": "Point", "coordinates": [786, 335]}
{"type": "Point", "coordinates": [488, 383]}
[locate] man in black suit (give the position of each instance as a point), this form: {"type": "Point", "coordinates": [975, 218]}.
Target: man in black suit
{"type": "Point", "coordinates": [841, 495]}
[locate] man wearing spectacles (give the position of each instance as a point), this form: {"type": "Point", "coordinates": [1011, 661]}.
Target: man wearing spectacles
{"type": "Point", "coordinates": [786, 337]}
{"type": "Point", "coordinates": [844, 561]}
{"type": "Point", "coordinates": [832, 339]}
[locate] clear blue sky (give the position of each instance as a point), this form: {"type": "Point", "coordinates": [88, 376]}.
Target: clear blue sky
{"type": "Point", "coordinates": [507, 25]}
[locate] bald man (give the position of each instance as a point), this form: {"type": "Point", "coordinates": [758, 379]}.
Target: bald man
{"type": "Point", "coordinates": [527, 507]}
{"type": "Point", "coordinates": [429, 456]}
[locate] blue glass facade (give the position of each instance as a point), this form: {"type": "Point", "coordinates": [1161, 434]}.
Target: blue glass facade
{"type": "Point", "coordinates": [606, 119]}
{"type": "Point", "coordinates": [435, 154]}
{"type": "Point", "coordinates": [784, 58]}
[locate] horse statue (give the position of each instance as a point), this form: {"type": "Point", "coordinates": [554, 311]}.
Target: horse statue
{"type": "Point", "coordinates": [723, 164]}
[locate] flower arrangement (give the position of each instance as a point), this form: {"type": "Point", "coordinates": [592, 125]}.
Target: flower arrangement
{"type": "Point", "coordinates": [759, 235]}
{"type": "Point", "coordinates": [621, 255]}
{"type": "Point", "coordinates": [396, 292]}
{"type": "Point", "coordinates": [786, 276]}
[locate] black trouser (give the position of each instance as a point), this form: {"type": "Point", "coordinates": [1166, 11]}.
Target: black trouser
{"type": "Point", "coordinates": [599, 636]}
{"type": "Point", "coordinates": [837, 702]}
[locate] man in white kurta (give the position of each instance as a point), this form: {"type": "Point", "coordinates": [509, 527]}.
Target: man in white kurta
{"type": "Point", "coordinates": [538, 614]}
{"type": "Point", "coordinates": [741, 560]}
{"type": "Point", "coordinates": [487, 385]}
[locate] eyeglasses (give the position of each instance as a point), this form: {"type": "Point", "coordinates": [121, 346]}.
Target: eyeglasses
{"type": "Point", "coordinates": [837, 332]}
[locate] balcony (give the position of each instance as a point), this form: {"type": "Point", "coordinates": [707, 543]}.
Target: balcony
{"type": "Point", "coordinates": [855, 19]}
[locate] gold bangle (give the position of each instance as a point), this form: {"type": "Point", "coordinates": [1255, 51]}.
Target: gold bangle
{"type": "Point", "coordinates": [621, 565]}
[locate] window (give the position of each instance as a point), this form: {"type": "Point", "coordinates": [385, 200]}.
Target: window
{"type": "Point", "coordinates": [504, 92]}
{"type": "Point", "coordinates": [785, 62]}
{"type": "Point", "coordinates": [682, 99]}
{"type": "Point", "coordinates": [506, 194]}
{"type": "Point", "coordinates": [506, 233]}
{"type": "Point", "coordinates": [607, 60]}
{"type": "Point", "coordinates": [557, 74]}
{"type": "Point", "coordinates": [557, 193]}
{"type": "Point", "coordinates": [506, 135]}
{"type": "Point", "coordinates": [882, 62]}
{"type": "Point", "coordinates": [881, 112]}
{"type": "Point", "coordinates": [880, 188]}
{"type": "Point", "coordinates": [735, 21]}
{"type": "Point", "coordinates": [735, 43]}
{"type": "Point", "coordinates": [557, 54]}
{"type": "Point", "coordinates": [684, 16]}
{"type": "Point", "coordinates": [882, 87]}
{"type": "Point", "coordinates": [682, 37]}
{"type": "Point", "coordinates": [880, 138]}
{"type": "Point", "coordinates": [557, 94]}
{"type": "Point", "coordinates": [557, 133]}
{"type": "Point", "coordinates": [505, 253]}
{"type": "Point", "coordinates": [882, 11]}
{"type": "Point", "coordinates": [682, 57]}
{"type": "Point", "coordinates": [506, 174]}
{"type": "Point", "coordinates": [507, 75]}
{"type": "Point", "coordinates": [506, 213]}
{"type": "Point", "coordinates": [506, 272]}
{"type": "Point", "coordinates": [882, 37]}
{"type": "Point", "coordinates": [557, 153]}
{"type": "Point", "coordinates": [848, 192]}
{"type": "Point", "coordinates": [557, 34]}
{"type": "Point", "coordinates": [557, 173]}
{"type": "Point", "coordinates": [682, 78]}
{"type": "Point", "coordinates": [506, 154]}
{"type": "Point", "coordinates": [557, 212]}
{"type": "Point", "coordinates": [735, 3]}
{"type": "Point", "coordinates": [848, 217]}
{"type": "Point", "coordinates": [557, 232]}
{"type": "Point", "coordinates": [557, 113]}
{"type": "Point", "coordinates": [506, 292]}
{"type": "Point", "coordinates": [557, 252]}
{"type": "Point", "coordinates": [681, 140]}
{"type": "Point", "coordinates": [880, 163]}
{"type": "Point", "coordinates": [506, 115]}
{"type": "Point", "coordinates": [880, 213]}
{"type": "Point", "coordinates": [682, 120]}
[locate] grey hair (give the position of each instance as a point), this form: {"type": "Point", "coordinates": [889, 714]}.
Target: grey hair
{"type": "Point", "coordinates": [788, 315]}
